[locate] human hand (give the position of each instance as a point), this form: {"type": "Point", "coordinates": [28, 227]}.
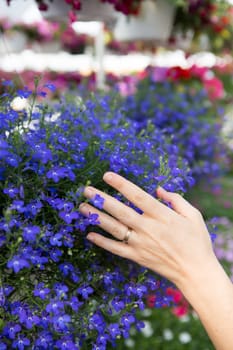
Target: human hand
{"type": "Point", "coordinates": [172, 242]}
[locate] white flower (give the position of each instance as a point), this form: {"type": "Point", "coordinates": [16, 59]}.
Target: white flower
{"type": "Point", "coordinates": [19, 104]}
{"type": "Point", "coordinates": [184, 318]}
{"type": "Point", "coordinates": [147, 331]}
{"type": "Point", "coordinates": [195, 315]}
{"type": "Point", "coordinates": [146, 312]}
{"type": "Point", "coordinates": [185, 337]}
{"type": "Point", "coordinates": [168, 334]}
{"type": "Point", "coordinates": [129, 343]}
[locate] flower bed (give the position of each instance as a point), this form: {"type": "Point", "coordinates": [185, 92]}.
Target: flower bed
{"type": "Point", "coordinates": [57, 290]}
{"type": "Point", "coordinates": [186, 104]}
{"type": "Point", "coordinates": [180, 103]}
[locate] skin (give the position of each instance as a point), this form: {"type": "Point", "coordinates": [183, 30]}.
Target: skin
{"type": "Point", "coordinates": [172, 242]}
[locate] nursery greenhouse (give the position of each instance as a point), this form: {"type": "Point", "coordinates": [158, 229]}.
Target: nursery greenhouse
{"type": "Point", "coordinates": [116, 174]}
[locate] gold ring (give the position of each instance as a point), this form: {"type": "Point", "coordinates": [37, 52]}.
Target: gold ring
{"type": "Point", "coordinates": [127, 236]}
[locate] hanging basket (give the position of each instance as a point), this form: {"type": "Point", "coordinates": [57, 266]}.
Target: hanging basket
{"type": "Point", "coordinates": [154, 22]}
{"type": "Point", "coordinates": [92, 10]}
{"type": "Point", "coordinates": [12, 42]}
{"type": "Point", "coordinates": [20, 11]}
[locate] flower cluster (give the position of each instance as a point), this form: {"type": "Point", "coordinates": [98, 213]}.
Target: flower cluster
{"type": "Point", "coordinates": [47, 31]}
{"type": "Point", "coordinates": [183, 112]}
{"type": "Point", "coordinates": [206, 17]}
{"type": "Point", "coordinates": [129, 7]}
{"type": "Point", "coordinates": [57, 290]}
{"type": "Point", "coordinates": [41, 31]}
{"type": "Point", "coordinates": [64, 81]}
{"type": "Point", "coordinates": [73, 42]}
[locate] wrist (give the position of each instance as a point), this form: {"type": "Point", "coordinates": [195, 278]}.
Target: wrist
{"type": "Point", "coordinates": [197, 281]}
{"type": "Point", "coordinates": [210, 292]}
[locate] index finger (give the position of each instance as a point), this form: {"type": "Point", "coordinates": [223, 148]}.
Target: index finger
{"type": "Point", "coordinates": [143, 200]}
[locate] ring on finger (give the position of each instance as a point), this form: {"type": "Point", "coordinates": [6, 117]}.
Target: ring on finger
{"type": "Point", "coordinates": [127, 236]}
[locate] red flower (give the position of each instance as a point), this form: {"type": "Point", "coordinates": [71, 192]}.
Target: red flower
{"type": "Point", "coordinates": [151, 301]}
{"type": "Point", "coordinates": [180, 310]}
{"type": "Point", "coordinates": [177, 73]}
{"type": "Point", "coordinates": [182, 307]}
{"type": "Point", "coordinates": [176, 294]}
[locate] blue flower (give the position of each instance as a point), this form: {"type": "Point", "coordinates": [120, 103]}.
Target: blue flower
{"type": "Point", "coordinates": [11, 191]}
{"type": "Point", "coordinates": [3, 346]}
{"type": "Point", "coordinates": [11, 330]}
{"type": "Point", "coordinates": [117, 304]}
{"type": "Point", "coordinates": [25, 93]}
{"type": "Point", "coordinates": [12, 159]}
{"type": "Point", "coordinates": [56, 240]}
{"type": "Point", "coordinates": [2, 297]}
{"type": "Point", "coordinates": [42, 153]}
{"type": "Point", "coordinates": [57, 173]}
{"type": "Point", "coordinates": [85, 291]}
{"type": "Point", "coordinates": [29, 320]}
{"type": "Point", "coordinates": [55, 306]}
{"type": "Point", "coordinates": [50, 86]}
{"type": "Point", "coordinates": [98, 201]}
{"type": "Point", "coordinates": [74, 303]}
{"type": "Point", "coordinates": [34, 207]}
{"type": "Point", "coordinates": [7, 82]}
{"type": "Point", "coordinates": [44, 340]}
{"type": "Point", "coordinates": [2, 240]}
{"type": "Point", "coordinates": [21, 343]}
{"type": "Point", "coordinates": [17, 263]}
{"type": "Point", "coordinates": [66, 343]}
{"type": "Point", "coordinates": [55, 254]}
{"type": "Point", "coordinates": [97, 321]}
{"type": "Point", "coordinates": [61, 290]}
{"type": "Point", "coordinates": [66, 268]}
{"type": "Point", "coordinates": [61, 322]}
{"type": "Point", "coordinates": [41, 291]}
{"type": "Point", "coordinates": [114, 330]}
{"type": "Point", "coordinates": [126, 320]}
{"type": "Point", "coordinates": [30, 233]}
{"type": "Point", "coordinates": [18, 205]}
{"type": "Point", "coordinates": [68, 217]}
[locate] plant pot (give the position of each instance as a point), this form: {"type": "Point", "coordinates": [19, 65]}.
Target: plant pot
{"type": "Point", "coordinates": [47, 47]}
{"type": "Point", "coordinates": [12, 42]}
{"type": "Point", "coordinates": [154, 22]}
{"type": "Point", "coordinates": [92, 10]}
{"type": "Point", "coordinates": [20, 11]}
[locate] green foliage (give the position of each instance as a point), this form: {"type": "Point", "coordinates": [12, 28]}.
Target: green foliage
{"type": "Point", "coordinates": [164, 331]}
{"type": "Point", "coordinates": [215, 199]}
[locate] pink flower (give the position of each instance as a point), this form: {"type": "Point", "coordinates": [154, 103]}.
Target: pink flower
{"type": "Point", "coordinates": [159, 74]}
{"type": "Point", "coordinates": [180, 310]}
{"type": "Point", "coordinates": [47, 29]}
{"type": "Point", "coordinates": [214, 88]}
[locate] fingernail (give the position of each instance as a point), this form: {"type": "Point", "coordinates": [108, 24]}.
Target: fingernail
{"type": "Point", "coordinates": [83, 206]}
{"type": "Point", "coordinates": [90, 237]}
{"type": "Point", "coordinates": [88, 191]}
{"type": "Point", "coordinates": [108, 176]}
{"type": "Point", "coordinates": [159, 188]}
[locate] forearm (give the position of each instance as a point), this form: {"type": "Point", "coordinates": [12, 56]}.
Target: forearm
{"type": "Point", "coordinates": [210, 292]}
